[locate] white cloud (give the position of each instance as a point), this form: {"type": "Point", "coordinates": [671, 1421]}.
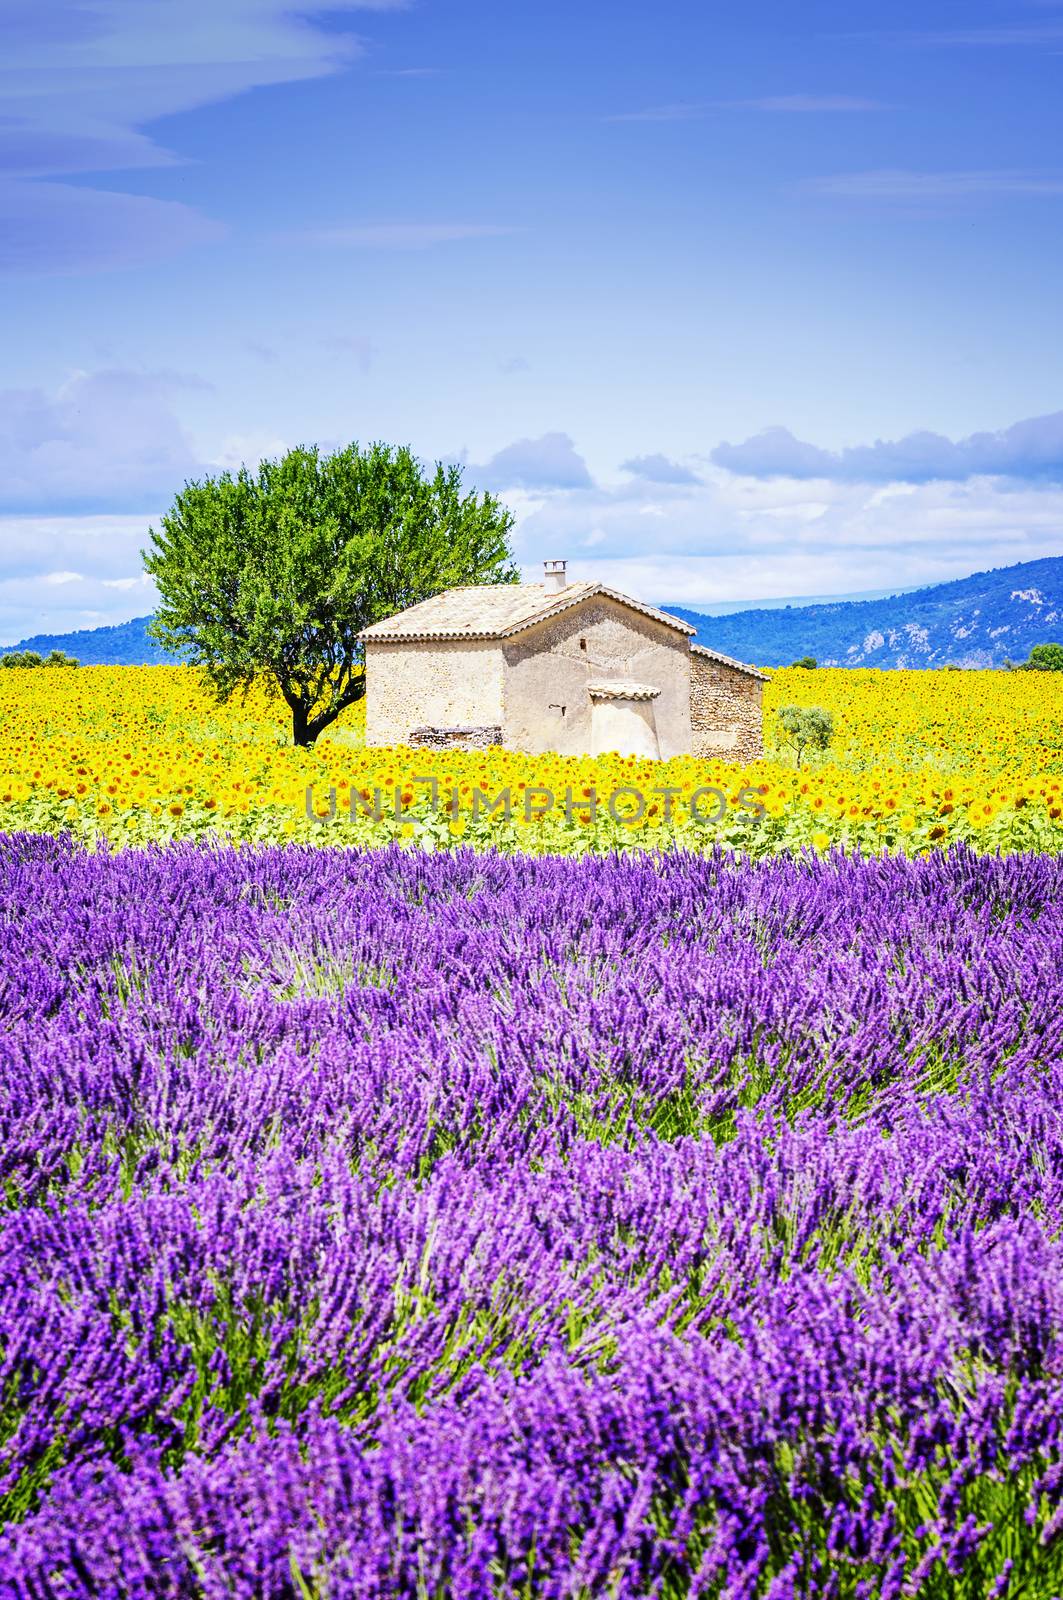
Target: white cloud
{"type": "Point", "coordinates": [247, 449]}
{"type": "Point", "coordinates": [549, 462]}
{"type": "Point", "coordinates": [731, 538]}
{"type": "Point", "coordinates": [79, 82]}
{"type": "Point", "coordinates": [31, 605]}
{"type": "Point", "coordinates": [104, 440]}
{"type": "Point", "coordinates": [45, 550]}
{"type": "Point", "coordinates": [723, 537]}
{"type": "Point", "coordinates": [658, 468]}
{"type": "Point", "coordinates": [1031, 449]}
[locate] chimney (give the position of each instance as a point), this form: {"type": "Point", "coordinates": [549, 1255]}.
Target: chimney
{"type": "Point", "coordinates": [554, 576]}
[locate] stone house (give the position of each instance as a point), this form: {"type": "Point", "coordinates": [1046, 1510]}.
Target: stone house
{"type": "Point", "coordinates": [576, 668]}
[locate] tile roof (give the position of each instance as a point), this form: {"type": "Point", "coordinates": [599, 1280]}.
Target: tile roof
{"type": "Point", "coordinates": [497, 610]}
{"type": "Point", "coordinates": [729, 661]}
{"type": "Point", "coordinates": [622, 690]}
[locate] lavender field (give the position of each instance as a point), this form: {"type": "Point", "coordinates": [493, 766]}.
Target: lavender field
{"type": "Point", "coordinates": [388, 1224]}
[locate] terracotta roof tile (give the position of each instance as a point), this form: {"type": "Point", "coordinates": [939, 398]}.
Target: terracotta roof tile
{"type": "Point", "coordinates": [496, 610]}
{"type": "Point", "coordinates": [729, 661]}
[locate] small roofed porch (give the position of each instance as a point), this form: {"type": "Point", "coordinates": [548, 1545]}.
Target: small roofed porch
{"type": "Point", "coordinates": [622, 719]}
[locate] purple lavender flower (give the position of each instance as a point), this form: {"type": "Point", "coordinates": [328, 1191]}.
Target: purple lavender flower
{"type": "Point", "coordinates": [389, 1225]}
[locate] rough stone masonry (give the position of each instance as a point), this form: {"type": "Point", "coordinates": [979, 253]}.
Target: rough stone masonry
{"type": "Point", "coordinates": [726, 718]}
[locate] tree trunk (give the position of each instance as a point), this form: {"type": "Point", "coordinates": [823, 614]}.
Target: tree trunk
{"type": "Point", "coordinates": [301, 734]}
{"type": "Point", "coordinates": [306, 728]}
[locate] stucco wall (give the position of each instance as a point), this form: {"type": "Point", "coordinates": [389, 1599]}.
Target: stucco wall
{"type": "Point", "coordinates": [547, 668]}
{"type": "Point", "coordinates": [725, 711]}
{"type": "Point", "coordinates": [436, 684]}
{"type": "Point", "coordinates": [627, 726]}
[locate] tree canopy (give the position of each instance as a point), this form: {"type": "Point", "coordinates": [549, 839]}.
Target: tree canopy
{"type": "Point", "coordinates": [33, 658]}
{"type": "Point", "coordinates": [804, 728]}
{"type": "Point", "coordinates": [1046, 658]}
{"type": "Point", "coordinates": [276, 572]}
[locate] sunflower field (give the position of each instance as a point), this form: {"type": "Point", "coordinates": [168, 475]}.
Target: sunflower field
{"type": "Point", "coordinates": [919, 760]}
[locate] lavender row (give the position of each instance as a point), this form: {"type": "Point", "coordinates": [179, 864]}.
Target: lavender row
{"type": "Point", "coordinates": [380, 1224]}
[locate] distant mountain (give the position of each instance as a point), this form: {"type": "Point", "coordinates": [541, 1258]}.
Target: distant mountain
{"type": "Point", "coordinates": [720, 608]}
{"type": "Point", "coordinates": [126, 644]}
{"type": "Point", "coordinates": [971, 622]}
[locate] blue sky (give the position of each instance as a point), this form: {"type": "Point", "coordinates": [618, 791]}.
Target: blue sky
{"type": "Point", "coordinates": [726, 300]}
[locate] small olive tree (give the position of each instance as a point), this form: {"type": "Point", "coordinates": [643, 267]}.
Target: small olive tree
{"type": "Point", "coordinates": [1045, 658]}
{"type": "Point", "coordinates": [275, 573]}
{"type": "Point", "coordinates": [802, 728]}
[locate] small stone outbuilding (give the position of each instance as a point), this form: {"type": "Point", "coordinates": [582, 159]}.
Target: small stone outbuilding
{"type": "Point", "coordinates": [576, 668]}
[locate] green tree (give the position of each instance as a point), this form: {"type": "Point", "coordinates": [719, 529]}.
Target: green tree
{"type": "Point", "coordinates": [59, 658]}
{"type": "Point", "coordinates": [801, 728]}
{"type": "Point", "coordinates": [1045, 658]}
{"type": "Point", "coordinates": [806, 661]}
{"type": "Point", "coordinates": [23, 658]}
{"type": "Point", "coordinates": [276, 572]}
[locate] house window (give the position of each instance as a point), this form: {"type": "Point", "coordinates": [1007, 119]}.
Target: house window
{"type": "Point", "coordinates": [583, 644]}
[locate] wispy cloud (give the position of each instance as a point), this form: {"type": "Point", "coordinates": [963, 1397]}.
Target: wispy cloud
{"type": "Point", "coordinates": [1032, 34]}
{"type": "Point", "coordinates": [782, 104]}
{"type": "Point", "coordinates": [679, 111]}
{"type": "Point", "coordinates": [898, 185]}
{"type": "Point", "coordinates": [261, 352]}
{"type": "Point", "coordinates": [810, 103]}
{"type": "Point", "coordinates": [357, 347]}
{"type": "Point", "coordinates": [61, 229]}
{"type": "Point", "coordinates": [402, 235]}
{"type": "Point", "coordinates": [79, 84]}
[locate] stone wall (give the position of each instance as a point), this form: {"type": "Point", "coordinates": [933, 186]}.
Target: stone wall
{"type": "Point", "coordinates": [457, 738]}
{"type": "Point", "coordinates": [725, 710]}
{"type": "Point", "coordinates": [549, 667]}
{"type": "Point", "coordinates": [445, 683]}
